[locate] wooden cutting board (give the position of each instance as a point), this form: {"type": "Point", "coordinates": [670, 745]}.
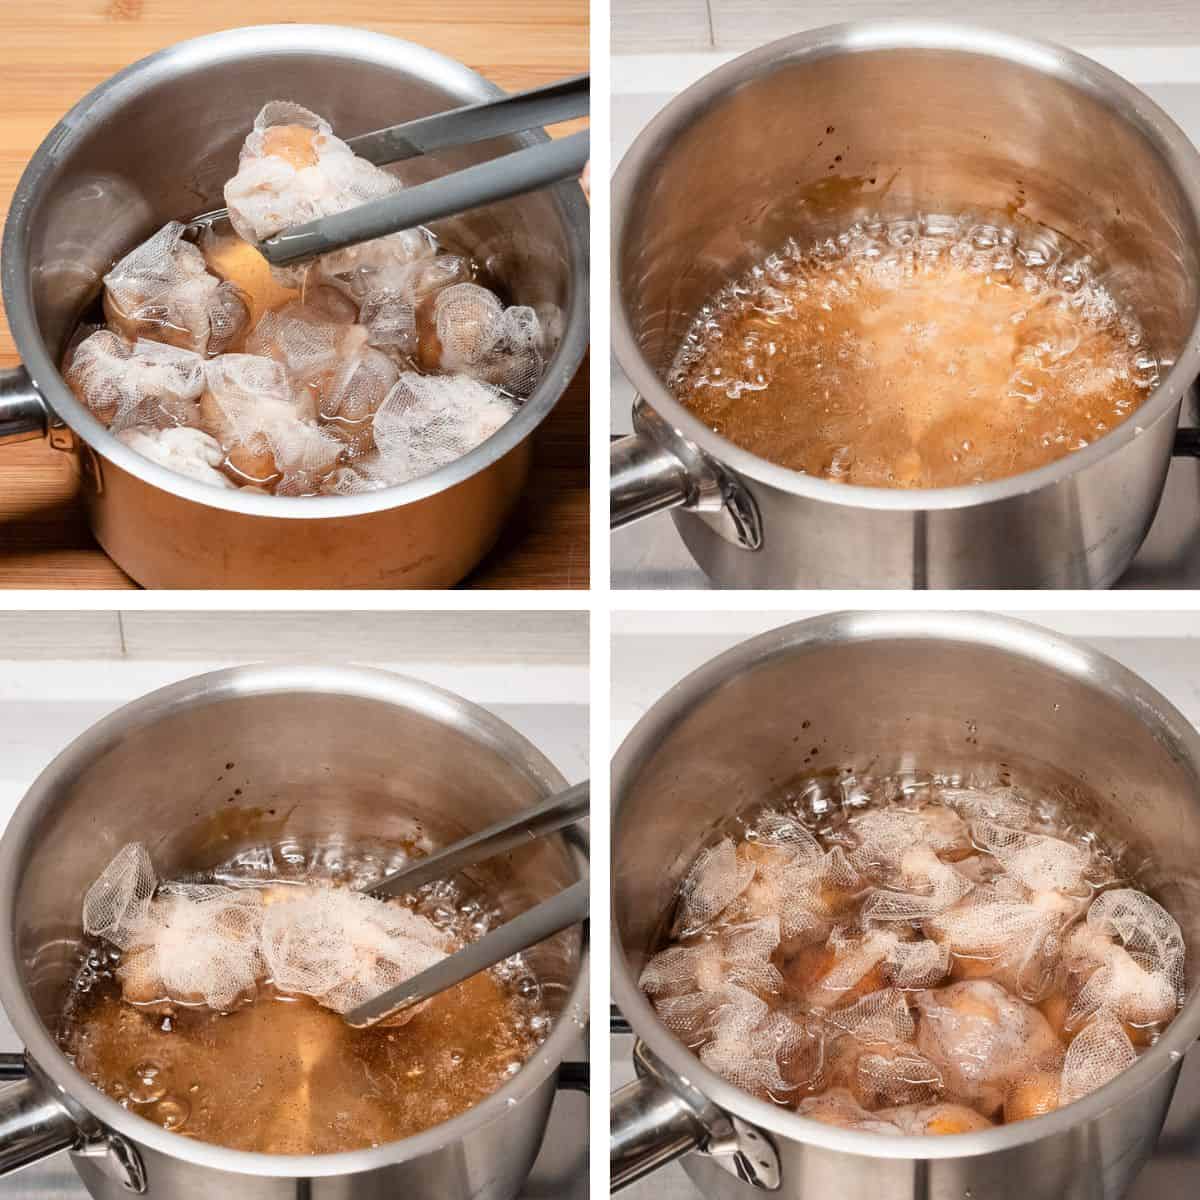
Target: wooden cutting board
{"type": "Point", "coordinates": [57, 50]}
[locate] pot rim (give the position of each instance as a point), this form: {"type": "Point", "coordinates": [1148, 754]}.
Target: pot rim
{"type": "Point", "coordinates": [1067, 656]}
{"type": "Point", "coordinates": [1132, 104]}
{"type": "Point", "coordinates": [399, 691]}
{"type": "Point", "coordinates": [298, 39]}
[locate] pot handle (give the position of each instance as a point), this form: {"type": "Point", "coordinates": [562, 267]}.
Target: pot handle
{"type": "Point", "coordinates": [24, 414]}
{"type": "Point", "coordinates": [660, 1117]}
{"type": "Point", "coordinates": [649, 1126]}
{"type": "Point", "coordinates": [33, 1125]}
{"type": "Point", "coordinates": [656, 468]}
{"type": "Point", "coordinates": [644, 478]}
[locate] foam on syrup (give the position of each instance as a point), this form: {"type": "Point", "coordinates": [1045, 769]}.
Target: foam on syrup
{"type": "Point", "coordinates": [919, 353]}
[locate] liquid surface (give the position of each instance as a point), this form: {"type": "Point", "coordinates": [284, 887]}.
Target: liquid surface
{"type": "Point", "coordinates": [915, 957]}
{"type": "Point", "coordinates": [916, 354]}
{"type": "Point", "coordinates": [283, 1074]}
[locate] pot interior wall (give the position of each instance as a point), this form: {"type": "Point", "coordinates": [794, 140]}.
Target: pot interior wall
{"type": "Point", "coordinates": [816, 141]}
{"type": "Point", "coordinates": [906, 703]}
{"type": "Point", "coordinates": [198, 785]}
{"type": "Point", "coordinates": [162, 147]}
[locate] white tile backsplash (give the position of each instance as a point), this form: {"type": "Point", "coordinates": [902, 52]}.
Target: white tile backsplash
{"type": "Point", "coordinates": [31, 635]}
{"type": "Point", "coordinates": [666, 24]}
{"type": "Point", "coordinates": [639, 26]}
{"type": "Point", "coordinates": [539, 639]}
{"type": "Point", "coordinates": [527, 638]}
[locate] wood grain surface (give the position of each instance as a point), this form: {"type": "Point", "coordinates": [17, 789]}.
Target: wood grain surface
{"type": "Point", "coordinates": [57, 50]}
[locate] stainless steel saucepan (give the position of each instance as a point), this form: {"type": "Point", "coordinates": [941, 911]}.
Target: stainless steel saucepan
{"type": "Point", "coordinates": [157, 142]}
{"type": "Point", "coordinates": [325, 758]}
{"type": "Point", "coordinates": [944, 691]}
{"type": "Point", "coordinates": [807, 134]}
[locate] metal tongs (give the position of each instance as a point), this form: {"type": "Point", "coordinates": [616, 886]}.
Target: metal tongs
{"type": "Point", "coordinates": [485, 183]}
{"type": "Point", "coordinates": [560, 912]}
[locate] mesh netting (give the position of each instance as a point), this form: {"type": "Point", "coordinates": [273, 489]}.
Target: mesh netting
{"type": "Point", "coordinates": [740, 954]}
{"type": "Point", "coordinates": [980, 1038]}
{"type": "Point", "coordinates": [716, 879]}
{"type": "Point", "coordinates": [343, 948]}
{"type": "Point", "coordinates": [939, 956]}
{"type": "Point", "coordinates": [424, 423]}
{"type": "Point", "coordinates": [392, 326]}
{"type": "Point", "coordinates": [698, 1015]}
{"type": "Point", "coordinates": [331, 361]}
{"type": "Point", "coordinates": [354, 392]}
{"type": "Point", "coordinates": [762, 1052]}
{"type": "Point", "coordinates": [890, 1075]}
{"type": "Point", "coordinates": [116, 905]}
{"type": "Point", "coordinates": [692, 1017]}
{"type": "Point", "coordinates": [927, 886]}
{"type": "Point", "coordinates": [880, 1018]}
{"type": "Point", "coordinates": [866, 960]}
{"type": "Point", "coordinates": [884, 835]}
{"type": "Point", "coordinates": [411, 282]}
{"type": "Point", "coordinates": [209, 944]}
{"type": "Point", "coordinates": [185, 944]}
{"type": "Point", "coordinates": [919, 963]}
{"type": "Point", "coordinates": [228, 318]}
{"type": "Point", "coordinates": [938, 1119]}
{"type": "Point", "coordinates": [855, 955]}
{"type": "Point", "coordinates": [1019, 936]}
{"type": "Point", "coordinates": [292, 169]}
{"type": "Point", "coordinates": [465, 329]}
{"type": "Point", "coordinates": [1039, 862]}
{"type": "Point", "coordinates": [776, 829]}
{"type": "Point", "coordinates": [163, 291]}
{"type": "Point", "coordinates": [354, 481]}
{"type": "Point", "coordinates": [1098, 1053]}
{"type": "Point", "coordinates": [264, 425]}
{"type": "Point", "coordinates": [839, 1107]}
{"type": "Point", "coordinates": [390, 297]}
{"type": "Point", "coordinates": [1137, 951]}
{"type": "Point", "coordinates": [1148, 932]}
{"type": "Point", "coordinates": [188, 451]}
{"type": "Point", "coordinates": [141, 383]}
{"type": "Point", "coordinates": [806, 893]}
{"type": "Point", "coordinates": [979, 868]}
{"type": "Point", "coordinates": [198, 945]}
{"type": "Point", "coordinates": [997, 803]}
{"type": "Point", "coordinates": [300, 338]}
{"type": "Point", "coordinates": [323, 303]}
